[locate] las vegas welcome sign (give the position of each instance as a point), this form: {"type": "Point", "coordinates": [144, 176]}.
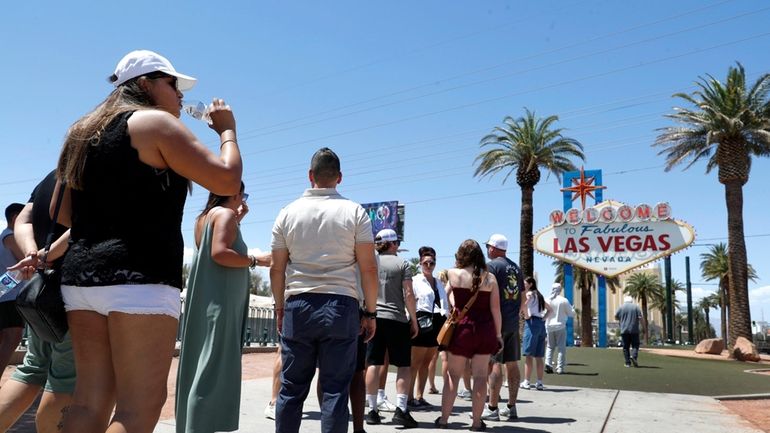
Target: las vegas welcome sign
{"type": "Point", "coordinates": [613, 237]}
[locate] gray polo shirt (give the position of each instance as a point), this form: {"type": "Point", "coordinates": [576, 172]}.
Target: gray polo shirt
{"type": "Point", "coordinates": [321, 230]}
{"type": "Point", "coordinates": [629, 315]}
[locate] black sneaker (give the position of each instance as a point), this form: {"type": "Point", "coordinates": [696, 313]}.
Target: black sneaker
{"type": "Point", "coordinates": [548, 369]}
{"type": "Point", "coordinates": [404, 419]}
{"type": "Point", "coordinates": [633, 361]}
{"type": "Point", "coordinates": [373, 418]}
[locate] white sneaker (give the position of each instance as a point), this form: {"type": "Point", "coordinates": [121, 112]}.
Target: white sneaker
{"type": "Point", "coordinates": [270, 411]}
{"type": "Point", "coordinates": [465, 395]}
{"type": "Point", "coordinates": [490, 415]}
{"type": "Point", "coordinates": [539, 386]}
{"type": "Point", "coordinates": [525, 385]}
{"type": "Point", "coordinates": [385, 405]}
{"type": "Point", "coordinates": [504, 411]}
{"type": "Point", "coordinates": [559, 371]}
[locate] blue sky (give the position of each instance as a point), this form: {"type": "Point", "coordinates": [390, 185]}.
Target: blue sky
{"type": "Point", "coordinates": [403, 91]}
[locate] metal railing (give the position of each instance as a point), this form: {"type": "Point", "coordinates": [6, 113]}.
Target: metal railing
{"type": "Point", "coordinates": [259, 329]}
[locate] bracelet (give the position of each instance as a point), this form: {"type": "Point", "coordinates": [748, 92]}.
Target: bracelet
{"type": "Point", "coordinates": [229, 139]}
{"type": "Point", "coordinates": [252, 262]}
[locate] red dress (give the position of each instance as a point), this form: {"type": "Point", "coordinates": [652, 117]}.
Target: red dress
{"type": "Point", "coordinates": [475, 334]}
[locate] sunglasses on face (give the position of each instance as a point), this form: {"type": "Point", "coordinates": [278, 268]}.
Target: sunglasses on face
{"type": "Point", "coordinates": [245, 196]}
{"type": "Point", "coordinates": [429, 263]}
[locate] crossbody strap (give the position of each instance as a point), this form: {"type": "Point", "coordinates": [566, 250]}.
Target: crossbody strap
{"type": "Point", "coordinates": [52, 229]}
{"type": "Point", "coordinates": [470, 302]}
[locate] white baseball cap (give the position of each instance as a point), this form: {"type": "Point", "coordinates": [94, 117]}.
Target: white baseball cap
{"type": "Point", "coordinates": [386, 235]}
{"type": "Point", "coordinates": [141, 62]}
{"type": "Point", "coordinates": [498, 241]}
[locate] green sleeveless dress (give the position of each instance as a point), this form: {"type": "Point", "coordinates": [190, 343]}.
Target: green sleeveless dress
{"type": "Point", "coordinates": [208, 388]}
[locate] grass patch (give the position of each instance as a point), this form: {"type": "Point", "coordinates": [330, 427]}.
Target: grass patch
{"type": "Point", "coordinates": [603, 368]}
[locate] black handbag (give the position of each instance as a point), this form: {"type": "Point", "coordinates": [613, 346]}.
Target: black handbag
{"type": "Point", "coordinates": [40, 301]}
{"type": "Point", "coordinates": [425, 322]}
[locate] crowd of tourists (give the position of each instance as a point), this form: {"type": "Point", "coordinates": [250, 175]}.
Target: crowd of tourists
{"type": "Point", "coordinates": [347, 306]}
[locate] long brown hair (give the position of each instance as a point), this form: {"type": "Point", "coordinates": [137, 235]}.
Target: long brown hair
{"type": "Point", "coordinates": [470, 254]}
{"type": "Point", "coordinates": [533, 288]}
{"type": "Point", "coordinates": [217, 200]}
{"type": "Point", "coordinates": [87, 130]}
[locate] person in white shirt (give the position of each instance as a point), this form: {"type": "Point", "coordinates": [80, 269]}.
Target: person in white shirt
{"type": "Point", "coordinates": [556, 328]}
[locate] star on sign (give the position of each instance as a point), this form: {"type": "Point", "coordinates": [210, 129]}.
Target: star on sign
{"type": "Point", "coordinates": [583, 187]}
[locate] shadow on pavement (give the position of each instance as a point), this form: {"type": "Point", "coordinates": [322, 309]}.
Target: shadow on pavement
{"type": "Point", "coordinates": [544, 420]}
{"type": "Point", "coordinates": [559, 389]}
{"type": "Point", "coordinates": [648, 366]}
{"type": "Point", "coordinates": [572, 373]}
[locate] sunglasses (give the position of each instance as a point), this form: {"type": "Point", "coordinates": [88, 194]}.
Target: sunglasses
{"type": "Point", "coordinates": [429, 263]}
{"type": "Point", "coordinates": [245, 196]}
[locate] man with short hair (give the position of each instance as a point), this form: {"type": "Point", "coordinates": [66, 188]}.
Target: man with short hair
{"type": "Point", "coordinates": [630, 316]}
{"type": "Point", "coordinates": [319, 242]}
{"type": "Point", "coordinates": [395, 330]}
{"type": "Point", "coordinates": [510, 282]}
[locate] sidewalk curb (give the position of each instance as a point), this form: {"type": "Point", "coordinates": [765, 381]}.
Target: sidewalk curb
{"type": "Point", "coordinates": [742, 397]}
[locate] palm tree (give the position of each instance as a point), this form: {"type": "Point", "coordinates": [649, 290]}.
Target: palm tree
{"type": "Point", "coordinates": [585, 281]}
{"type": "Point", "coordinates": [523, 146]}
{"type": "Point", "coordinates": [706, 304]}
{"type": "Point", "coordinates": [644, 287]}
{"type": "Point", "coordinates": [715, 265]}
{"type": "Point", "coordinates": [661, 305]}
{"type": "Point", "coordinates": [727, 125]}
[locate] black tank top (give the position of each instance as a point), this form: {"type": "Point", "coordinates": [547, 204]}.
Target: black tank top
{"type": "Point", "coordinates": [126, 221]}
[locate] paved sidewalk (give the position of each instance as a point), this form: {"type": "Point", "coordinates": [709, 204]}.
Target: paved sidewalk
{"type": "Point", "coordinates": [556, 409]}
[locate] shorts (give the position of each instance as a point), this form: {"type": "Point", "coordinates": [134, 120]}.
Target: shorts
{"type": "Point", "coordinates": [428, 339]}
{"type": "Point", "coordinates": [124, 298]}
{"type": "Point", "coordinates": [50, 365]}
{"type": "Point", "coordinates": [394, 338]}
{"type": "Point", "coordinates": [9, 315]}
{"type": "Point", "coordinates": [534, 337]}
{"type": "Point", "coordinates": [511, 348]}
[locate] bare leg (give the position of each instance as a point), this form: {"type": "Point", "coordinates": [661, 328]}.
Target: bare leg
{"type": "Point", "coordinates": [455, 368]}
{"type": "Point", "coordinates": [467, 375]}
{"type": "Point", "coordinates": [418, 356]}
{"type": "Point", "coordinates": [276, 377]}
{"type": "Point", "coordinates": [422, 373]}
{"type": "Point", "coordinates": [432, 372]}
{"type": "Point", "coordinates": [94, 395]}
{"type": "Point", "coordinates": [142, 347]}
{"type": "Point", "coordinates": [540, 364]}
{"type": "Point", "coordinates": [495, 383]}
{"type": "Point", "coordinates": [528, 368]}
{"type": "Point", "coordinates": [15, 399]}
{"type": "Point", "coordinates": [514, 377]}
{"type": "Point", "coordinates": [50, 410]}
{"type": "Point", "coordinates": [480, 369]}
{"type": "Point", "coordinates": [9, 341]}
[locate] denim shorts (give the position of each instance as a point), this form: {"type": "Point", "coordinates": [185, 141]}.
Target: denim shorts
{"type": "Point", "coordinates": [534, 337]}
{"type": "Point", "coordinates": [124, 298]}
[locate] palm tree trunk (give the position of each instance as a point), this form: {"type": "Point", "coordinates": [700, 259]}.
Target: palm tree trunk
{"type": "Point", "coordinates": [706, 313]}
{"type": "Point", "coordinates": [723, 307]}
{"type": "Point", "coordinates": [646, 322]}
{"type": "Point", "coordinates": [526, 260]}
{"type": "Point", "coordinates": [740, 315]}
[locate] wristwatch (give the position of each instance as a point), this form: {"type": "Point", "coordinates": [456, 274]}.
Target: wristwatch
{"type": "Point", "coordinates": [370, 314]}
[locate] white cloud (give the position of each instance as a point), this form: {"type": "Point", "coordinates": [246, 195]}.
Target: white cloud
{"type": "Point", "coordinates": [760, 294]}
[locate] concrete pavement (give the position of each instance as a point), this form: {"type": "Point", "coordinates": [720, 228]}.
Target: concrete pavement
{"type": "Point", "coordinates": [556, 409]}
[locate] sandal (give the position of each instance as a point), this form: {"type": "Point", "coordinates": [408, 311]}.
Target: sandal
{"type": "Point", "coordinates": [437, 423]}
{"type": "Point", "coordinates": [433, 391]}
{"type": "Point", "coordinates": [481, 427]}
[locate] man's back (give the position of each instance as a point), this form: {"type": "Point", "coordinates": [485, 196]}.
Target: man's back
{"type": "Point", "coordinates": [561, 311]}
{"type": "Point", "coordinates": [628, 314]}
{"type": "Point", "coordinates": [321, 230]}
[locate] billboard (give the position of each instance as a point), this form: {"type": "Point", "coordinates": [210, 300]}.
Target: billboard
{"type": "Point", "coordinates": [613, 237]}
{"type": "Point", "coordinates": [386, 215]}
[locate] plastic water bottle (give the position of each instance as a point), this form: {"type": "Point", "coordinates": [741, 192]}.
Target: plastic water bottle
{"type": "Point", "coordinates": [197, 109]}
{"type": "Point", "coordinates": [8, 281]}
